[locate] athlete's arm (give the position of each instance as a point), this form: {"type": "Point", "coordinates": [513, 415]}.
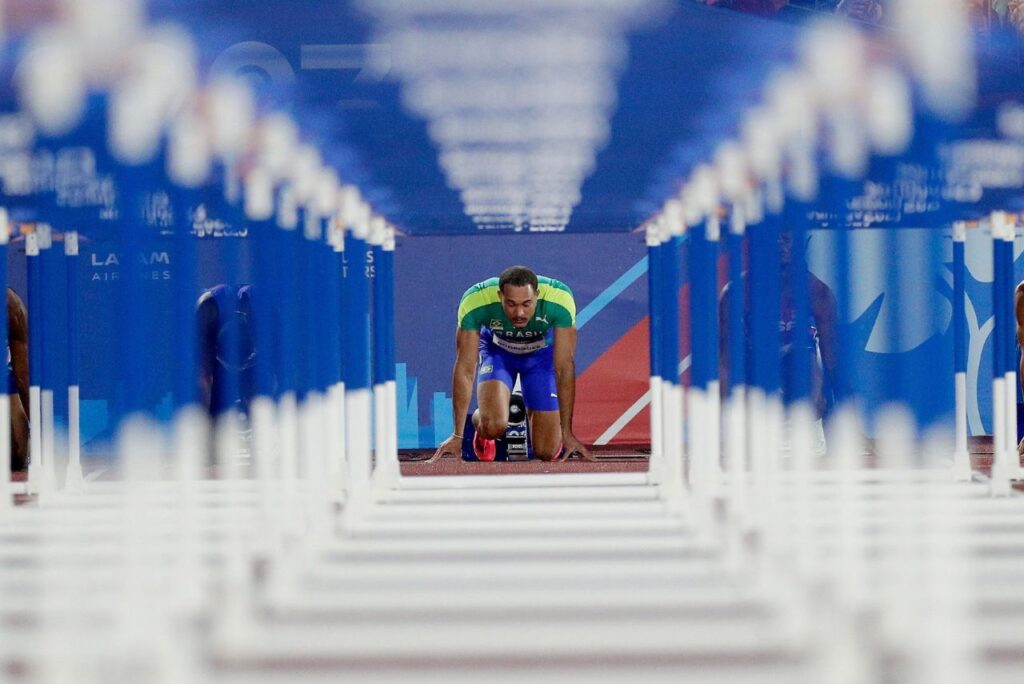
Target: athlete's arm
{"type": "Point", "coordinates": [467, 345]}
{"type": "Point", "coordinates": [565, 381]}
{"type": "Point", "coordinates": [823, 306]}
{"type": "Point", "coordinates": [17, 340]}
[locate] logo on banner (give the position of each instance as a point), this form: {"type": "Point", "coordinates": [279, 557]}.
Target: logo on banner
{"type": "Point", "coordinates": [107, 267]}
{"type": "Point", "coordinates": [204, 226]}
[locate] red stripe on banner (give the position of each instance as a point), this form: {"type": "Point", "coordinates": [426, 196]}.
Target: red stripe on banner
{"type": "Point", "coordinates": [618, 379]}
{"type": "Point", "coordinates": [612, 384]}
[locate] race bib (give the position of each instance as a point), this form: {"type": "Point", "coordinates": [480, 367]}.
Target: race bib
{"type": "Point", "coordinates": [519, 347]}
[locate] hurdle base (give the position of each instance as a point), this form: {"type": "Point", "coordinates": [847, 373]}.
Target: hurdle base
{"type": "Point", "coordinates": [74, 479]}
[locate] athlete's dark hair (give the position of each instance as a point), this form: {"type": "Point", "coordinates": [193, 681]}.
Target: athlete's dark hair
{"type": "Point", "coordinates": [517, 276]}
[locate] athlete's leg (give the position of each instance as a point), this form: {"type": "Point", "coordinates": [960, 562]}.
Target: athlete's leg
{"type": "Point", "coordinates": [493, 388]}
{"type": "Point", "coordinates": [540, 393]}
{"type": "Point", "coordinates": [19, 434]}
{"type": "Point", "coordinates": [491, 416]}
{"type": "Point", "coordinates": [818, 399]}
{"type": "Point", "coordinates": [546, 434]}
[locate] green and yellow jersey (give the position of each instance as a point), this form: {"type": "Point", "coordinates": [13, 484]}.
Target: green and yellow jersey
{"type": "Point", "coordinates": [480, 309]}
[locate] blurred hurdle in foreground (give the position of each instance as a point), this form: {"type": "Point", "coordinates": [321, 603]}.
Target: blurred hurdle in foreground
{"type": "Point", "coordinates": [198, 153]}
{"type": "Point", "coordinates": [321, 558]}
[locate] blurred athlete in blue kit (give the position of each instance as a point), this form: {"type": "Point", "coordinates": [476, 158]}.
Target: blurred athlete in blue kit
{"type": "Point", "coordinates": [818, 341]}
{"type": "Point", "coordinates": [227, 356]}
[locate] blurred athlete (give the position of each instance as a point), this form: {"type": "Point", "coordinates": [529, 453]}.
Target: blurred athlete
{"type": "Point", "coordinates": [1018, 307]}
{"type": "Point", "coordinates": [17, 378]}
{"type": "Point", "coordinates": [227, 356]}
{"type": "Point", "coordinates": [818, 341]}
{"type": "Point", "coordinates": [517, 324]}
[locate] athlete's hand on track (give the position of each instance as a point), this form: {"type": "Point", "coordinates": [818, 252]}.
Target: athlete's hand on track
{"type": "Point", "coordinates": [571, 445]}
{"type": "Point", "coordinates": [452, 445]}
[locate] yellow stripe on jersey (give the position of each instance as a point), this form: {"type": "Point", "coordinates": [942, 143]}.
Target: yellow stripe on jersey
{"type": "Point", "coordinates": [562, 298]}
{"type": "Point", "coordinates": [476, 300]}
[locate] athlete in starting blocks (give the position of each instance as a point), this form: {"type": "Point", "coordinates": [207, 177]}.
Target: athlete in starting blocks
{"type": "Point", "coordinates": [517, 324]}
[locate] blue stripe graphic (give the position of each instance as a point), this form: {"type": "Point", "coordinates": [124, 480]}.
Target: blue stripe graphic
{"type": "Point", "coordinates": [613, 291]}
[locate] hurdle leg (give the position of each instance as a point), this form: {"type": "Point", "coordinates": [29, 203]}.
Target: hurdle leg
{"type": "Point", "coordinates": [1001, 468]}
{"type": "Point", "coordinates": [672, 424]}
{"type": "Point", "coordinates": [389, 473]}
{"type": "Point", "coordinates": [35, 442]}
{"type": "Point", "coordinates": [1010, 440]}
{"type": "Point", "coordinates": [48, 482]}
{"type": "Point", "coordinates": [382, 470]}
{"type": "Point", "coordinates": [735, 408]}
{"type": "Point", "coordinates": [961, 458]}
{"type": "Point", "coordinates": [73, 479]}
{"type": "Point", "coordinates": [288, 440]}
{"type": "Point", "coordinates": [358, 394]}
{"type": "Point", "coordinates": [35, 411]}
{"type": "Point", "coordinates": [337, 467]}
{"type": "Point", "coordinates": [656, 466]}
{"type": "Point", "coordinates": [700, 434]}
{"type": "Point", "coordinates": [49, 474]}
{"type": "Point", "coordinates": [391, 455]}
{"type": "Point", "coordinates": [1010, 376]}
{"type": "Point", "coordinates": [380, 427]}
{"type": "Point", "coordinates": [713, 406]}
{"type": "Point", "coordinates": [227, 444]}
{"type": "Point", "coordinates": [6, 490]}
{"type": "Point", "coordinates": [672, 400]}
{"type": "Point", "coordinates": [359, 418]}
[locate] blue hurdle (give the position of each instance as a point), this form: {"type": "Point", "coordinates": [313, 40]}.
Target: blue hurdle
{"type": "Point", "coordinates": [356, 323]}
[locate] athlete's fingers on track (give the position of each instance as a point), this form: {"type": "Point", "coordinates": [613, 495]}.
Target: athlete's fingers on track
{"type": "Point", "coordinates": [452, 446]}
{"type": "Point", "coordinates": [574, 447]}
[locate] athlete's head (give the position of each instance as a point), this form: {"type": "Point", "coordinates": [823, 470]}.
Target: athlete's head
{"type": "Point", "coordinates": [518, 288]}
{"type": "Point", "coordinates": [786, 247]}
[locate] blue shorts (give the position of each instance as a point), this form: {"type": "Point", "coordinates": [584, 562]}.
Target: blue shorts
{"type": "Point", "coordinates": [536, 372]}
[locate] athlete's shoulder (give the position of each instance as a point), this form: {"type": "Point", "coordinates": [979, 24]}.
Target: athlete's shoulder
{"type": "Point", "coordinates": [553, 290]}
{"type": "Point", "coordinates": [477, 300]}
{"type": "Point", "coordinates": [820, 291]}
{"type": "Point", "coordinates": [558, 295]}
{"type": "Point", "coordinates": [549, 284]}
{"type": "Point", "coordinates": [488, 287]}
